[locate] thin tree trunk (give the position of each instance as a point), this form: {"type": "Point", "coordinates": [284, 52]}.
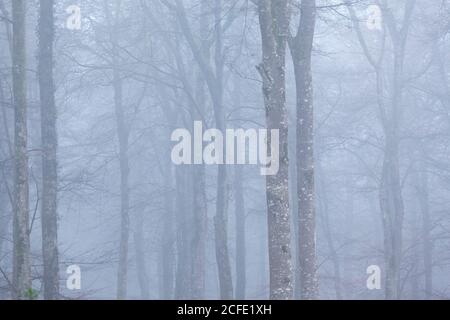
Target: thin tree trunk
{"type": "Point", "coordinates": [6, 198]}
{"type": "Point", "coordinates": [21, 237]}
{"type": "Point", "coordinates": [141, 265]}
{"type": "Point", "coordinates": [183, 271]}
{"type": "Point", "coordinates": [49, 214]}
{"type": "Point", "coordinates": [294, 214]}
{"type": "Point", "coordinates": [423, 196]}
{"type": "Point", "coordinates": [274, 25]}
{"type": "Point", "coordinates": [200, 205]}
{"type": "Point", "coordinates": [239, 209]}
{"type": "Point", "coordinates": [214, 81]}
{"type": "Point", "coordinates": [122, 136]}
{"type": "Point", "coordinates": [221, 217]}
{"type": "Point", "coordinates": [325, 218]}
{"type": "Point", "coordinates": [200, 210]}
{"type": "Point", "coordinates": [167, 254]}
{"type": "Point", "coordinates": [122, 133]}
{"type": "Point", "coordinates": [390, 191]}
{"type": "Point", "coordinates": [240, 234]}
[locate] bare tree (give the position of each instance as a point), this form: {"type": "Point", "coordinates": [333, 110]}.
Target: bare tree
{"type": "Point", "coordinates": [21, 232]}
{"type": "Point", "coordinates": [274, 24]}
{"type": "Point", "coordinates": [49, 146]}
{"type": "Point", "coordinates": [301, 46]}
{"type": "Point", "coordinates": [213, 75]}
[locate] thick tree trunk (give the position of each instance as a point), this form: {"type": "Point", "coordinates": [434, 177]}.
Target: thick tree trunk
{"type": "Point", "coordinates": [301, 51]}
{"type": "Point", "coordinates": [274, 25]}
{"type": "Point", "coordinates": [21, 237]}
{"type": "Point", "coordinates": [49, 214]}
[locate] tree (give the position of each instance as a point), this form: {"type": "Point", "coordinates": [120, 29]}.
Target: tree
{"type": "Point", "coordinates": [301, 46]}
{"type": "Point", "coordinates": [122, 136]}
{"type": "Point", "coordinates": [389, 99]}
{"type": "Point", "coordinates": [49, 146]}
{"type": "Point", "coordinates": [21, 237]}
{"type": "Point", "coordinates": [214, 82]}
{"type": "Point", "coordinates": [274, 26]}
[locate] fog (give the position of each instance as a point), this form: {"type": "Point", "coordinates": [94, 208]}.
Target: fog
{"type": "Point", "coordinates": [211, 149]}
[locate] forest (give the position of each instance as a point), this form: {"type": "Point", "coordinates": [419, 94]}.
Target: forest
{"type": "Point", "coordinates": [224, 149]}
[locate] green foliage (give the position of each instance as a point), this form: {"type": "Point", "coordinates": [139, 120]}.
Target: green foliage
{"type": "Point", "coordinates": [31, 294]}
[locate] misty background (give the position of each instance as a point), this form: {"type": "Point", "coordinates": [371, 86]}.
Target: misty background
{"type": "Point", "coordinates": [140, 227]}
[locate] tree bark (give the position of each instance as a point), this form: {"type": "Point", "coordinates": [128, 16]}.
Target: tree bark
{"type": "Point", "coordinates": [274, 24]}
{"type": "Point", "coordinates": [49, 140]}
{"type": "Point", "coordinates": [21, 237]}
{"type": "Point", "coordinates": [301, 50]}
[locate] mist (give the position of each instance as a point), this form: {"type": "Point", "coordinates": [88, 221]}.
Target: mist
{"type": "Point", "coordinates": [211, 149]}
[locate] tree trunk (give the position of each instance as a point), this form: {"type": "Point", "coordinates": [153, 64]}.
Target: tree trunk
{"type": "Point", "coordinates": [240, 234]}
{"type": "Point", "coordinates": [141, 265]}
{"type": "Point", "coordinates": [200, 206]}
{"type": "Point", "coordinates": [214, 81]}
{"type": "Point", "coordinates": [49, 140]}
{"type": "Point", "coordinates": [6, 197]}
{"type": "Point", "coordinates": [274, 25]}
{"type": "Point", "coordinates": [167, 254]}
{"type": "Point", "coordinates": [391, 204]}
{"type": "Point", "coordinates": [183, 271]}
{"type": "Point", "coordinates": [21, 238]}
{"type": "Point", "coordinates": [325, 218]}
{"type": "Point", "coordinates": [221, 217]}
{"type": "Point", "coordinates": [239, 209]}
{"type": "Point", "coordinates": [122, 132]}
{"type": "Point", "coordinates": [301, 51]}
{"type": "Point", "coordinates": [390, 190]}
{"type": "Point", "coordinates": [423, 196]}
